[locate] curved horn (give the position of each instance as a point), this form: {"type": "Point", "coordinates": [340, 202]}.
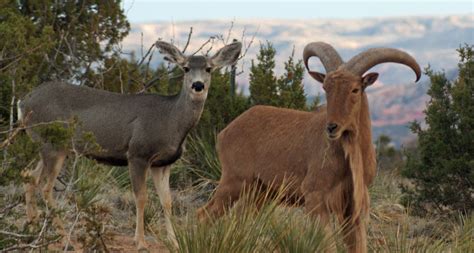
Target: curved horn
{"type": "Point", "coordinates": [362, 62]}
{"type": "Point", "coordinates": [325, 52]}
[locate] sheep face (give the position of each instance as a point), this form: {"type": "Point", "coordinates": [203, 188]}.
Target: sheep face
{"type": "Point", "coordinates": [344, 93]}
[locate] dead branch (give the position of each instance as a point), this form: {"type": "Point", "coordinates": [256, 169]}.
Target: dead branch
{"type": "Point", "coordinates": [188, 40]}
{"type": "Point", "coordinates": [144, 57]}
{"type": "Point", "coordinates": [68, 240]}
{"type": "Point", "coordinates": [9, 207]}
{"type": "Point", "coordinates": [18, 57]}
{"type": "Point", "coordinates": [21, 127]}
{"type": "Point", "coordinates": [36, 243]}
{"type": "Point", "coordinates": [204, 44]}
{"type": "Point", "coordinates": [229, 32]}
{"type": "Point", "coordinates": [210, 48]}
{"type": "Point", "coordinates": [141, 44]}
{"type": "Point", "coordinates": [3, 232]}
{"type": "Point", "coordinates": [30, 246]}
{"type": "Point", "coordinates": [12, 132]}
{"type": "Point", "coordinates": [247, 46]}
{"type": "Point", "coordinates": [151, 82]}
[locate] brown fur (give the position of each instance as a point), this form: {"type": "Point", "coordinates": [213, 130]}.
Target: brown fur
{"type": "Point", "coordinates": [270, 145]}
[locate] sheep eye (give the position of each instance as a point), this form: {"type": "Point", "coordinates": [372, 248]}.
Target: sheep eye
{"type": "Point", "coordinates": [355, 90]}
{"type": "Point", "coordinates": [208, 70]}
{"type": "Point", "coordinates": [186, 69]}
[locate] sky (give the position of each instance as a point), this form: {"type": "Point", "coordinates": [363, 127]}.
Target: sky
{"type": "Point", "coordinates": [145, 11]}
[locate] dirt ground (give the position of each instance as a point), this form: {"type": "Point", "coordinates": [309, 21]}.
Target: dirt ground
{"type": "Point", "coordinates": [118, 244]}
{"type": "Point", "coordinates": [124, 243]}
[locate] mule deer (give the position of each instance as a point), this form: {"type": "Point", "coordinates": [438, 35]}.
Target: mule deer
{"type": "Point", "coordinates": [143, 131]}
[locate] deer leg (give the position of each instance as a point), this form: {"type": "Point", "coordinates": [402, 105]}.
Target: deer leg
{"type": "Point", "coordinates": [53, 162]}
{"type": "Point", "coordinates": [227, 192]}
{"type": "Point", "coordinates": [33, 178]}
{"type": "Point", "coordinates": [138, 170]}
{"type": "Point", "coordinates": [161, 177]}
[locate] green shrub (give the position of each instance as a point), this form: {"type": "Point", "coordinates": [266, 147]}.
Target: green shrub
{"type": "Point", "coordinates": [441, 171]}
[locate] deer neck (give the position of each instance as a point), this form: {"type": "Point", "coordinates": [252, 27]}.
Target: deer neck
{"type": "Point", "coordinates": [188, 110]}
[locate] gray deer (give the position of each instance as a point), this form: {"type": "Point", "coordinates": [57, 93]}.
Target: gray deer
{"type": "Point", "coordinates": [143, 131]}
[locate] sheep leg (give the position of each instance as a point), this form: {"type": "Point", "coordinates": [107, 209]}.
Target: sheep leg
{"type": "Point", "coordinates": [355, 236]}
{"type": "Point", "coordinates": [315, 205]}
{"type": "Point", "coordinates": [227, 192]}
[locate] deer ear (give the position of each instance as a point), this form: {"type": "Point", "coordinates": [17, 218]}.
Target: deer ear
{"type": "Point", "coordinates": [227, 55]}
{"type": "Point", "coordinates": [318, 76]}
{"type": "Point", "coordinates": [369, 79]}
{"type": "Point", "coordinates": [172, 53]}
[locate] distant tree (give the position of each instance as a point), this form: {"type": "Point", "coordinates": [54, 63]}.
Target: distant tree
{"type": "Point", "coordinates": [263, 85]}
{"type": "Point", "coordinates": [84, 32]}
{"type": "Point", "coordinates": [290, 85]}
{"type": "Point", "coordinates": [118, 75]}
{"type": "Point", "coordinates": [442, 168]}
{"type": "Point", "coordinates": [388, 157]}
{"type": "Point", "coordinates": [162, 85]}
{"type": "Point", "coordinates": [54, 40]}
{"type": "Point", "coordinates": [268, 89]}
{"type": "Point", "coordinates": [316, 103]}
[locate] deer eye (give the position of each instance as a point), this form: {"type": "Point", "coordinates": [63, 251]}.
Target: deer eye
{"type": "Point", "coordinates": [186, 69]}
{"type": "Point", "coordinates": [208, 70]}
{"type": "Point", "coordinates": [355, 90]}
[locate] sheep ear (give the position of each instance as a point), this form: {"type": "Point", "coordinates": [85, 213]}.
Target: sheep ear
{"type": "Point", "coordinates": [369, 79]}
{"type": "Point", "coordinates": [172, 53]}
{"type": "Point", "coordinates": [227, 55]}
{"type": "Point", "coordinates": [318, 76]}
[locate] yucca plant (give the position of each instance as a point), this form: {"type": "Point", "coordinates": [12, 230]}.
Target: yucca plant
{"type": "Point", "coordinates": [257, 223]}
{"type": "Point", "coordinates": [204, 161]}
{"type": "Point", "coordinates": [462, 239]}
{"type": "Point", "coordinates": [293, 231]}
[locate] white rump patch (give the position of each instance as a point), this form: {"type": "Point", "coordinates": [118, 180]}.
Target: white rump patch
{"type": "Point", "coordinates": [19, 112]}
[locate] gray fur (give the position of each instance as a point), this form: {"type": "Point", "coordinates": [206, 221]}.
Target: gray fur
{"type": "Point", "coordinates": [141, 126]}
{"type": "Point", "coordinates": [141, 130]}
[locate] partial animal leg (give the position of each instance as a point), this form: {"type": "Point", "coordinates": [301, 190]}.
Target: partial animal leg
{"type": "Point", "coordinates": [53, 162]}
{"type": "Point", "coordinates": [315, 205]}
{"type": "Point", "coordinates": [227, 192]}
{"type": "Point", "coordinates": [161, 177]}
{"type": "Point", "coordinates": [355, 235]}
{"type": "Point", "coordinates": [33, 179]}
{"type": "Point", "coordinates": [138, 169]}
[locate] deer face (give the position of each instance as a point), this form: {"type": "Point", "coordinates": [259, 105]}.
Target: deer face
{"type": "Point", "coordinates": [344, 92]}
{"type": "Point", "coordinates": [197, 76]}
{"type": "Point", "coordinates": [198, 69]}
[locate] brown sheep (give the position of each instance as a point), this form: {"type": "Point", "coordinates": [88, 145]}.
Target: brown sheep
{"type": "Point", "coordinates": [327, 154]}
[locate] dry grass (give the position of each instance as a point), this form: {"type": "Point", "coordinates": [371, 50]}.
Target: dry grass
{"type": "Point", "coordinates": [103, 198]}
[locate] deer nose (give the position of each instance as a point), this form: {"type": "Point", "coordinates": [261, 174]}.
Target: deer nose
{"type": "Point", "coordinates": [197, 86]}
{"type": "Point", "coordinates": [331, 127]}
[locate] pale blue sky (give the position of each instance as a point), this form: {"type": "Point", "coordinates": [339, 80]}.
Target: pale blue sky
{"type": "Point", "coordinates": [181, 10]}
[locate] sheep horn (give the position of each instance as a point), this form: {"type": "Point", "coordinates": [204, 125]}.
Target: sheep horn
{"type": "Point", "coordinates": [362, 62]}
{"type": "Point", "coordinates": [325, 52]}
